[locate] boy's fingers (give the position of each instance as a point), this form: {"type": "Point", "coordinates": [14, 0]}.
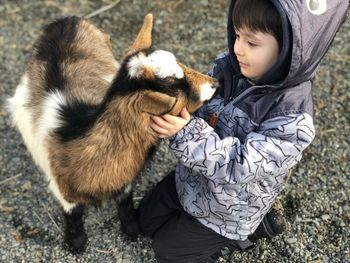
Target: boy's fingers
{"type": "Point", "coordinates": [160, 121]}
{"type": "Point", "coordinates": [168, 125]}
{"type": "Point", "coordinates": [158, 129]}
{"type": "Point", "coordinates": [171, 119]}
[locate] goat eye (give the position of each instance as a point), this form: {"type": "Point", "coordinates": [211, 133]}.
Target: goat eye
{"type": "Point", "coordinates": [167, 81]}
{"type": "Point", "coordinates": [170, 79]}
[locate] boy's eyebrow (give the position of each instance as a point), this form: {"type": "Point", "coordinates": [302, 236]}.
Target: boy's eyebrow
{"type": "Point", "coordinates": [247, 33]}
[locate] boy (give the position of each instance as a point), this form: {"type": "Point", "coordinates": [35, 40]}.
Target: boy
{"type": "Point", "coordinates": [235, 153]}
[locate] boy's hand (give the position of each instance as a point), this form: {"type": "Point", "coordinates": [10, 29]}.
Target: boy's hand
{"type": "Point", "coordinates": [168, 125]}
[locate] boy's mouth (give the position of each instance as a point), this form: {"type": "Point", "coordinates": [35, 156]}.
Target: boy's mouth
{"type": "Point", "coordinates": [243, 65]}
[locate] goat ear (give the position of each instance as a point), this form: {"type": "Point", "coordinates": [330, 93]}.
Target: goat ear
{"type": "Point", "coordinates": [157, 103]}
{"type": "Point", "coordinates": [194, 77]}
{"type": "Point", "coordinates": [144, 37]}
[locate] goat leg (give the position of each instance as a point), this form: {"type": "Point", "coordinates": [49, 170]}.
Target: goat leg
{"type": "Point", "coordinates": [75, 236]}
{"type": "Point", "coordinates": [128, 215]}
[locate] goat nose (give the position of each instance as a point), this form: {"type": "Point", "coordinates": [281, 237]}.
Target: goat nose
{"type": "Point", "coordinates": [208, 90]}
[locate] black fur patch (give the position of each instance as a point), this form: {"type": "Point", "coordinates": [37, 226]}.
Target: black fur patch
{"type": "Point", "coordinates": [78, 118]}
{"type": "Point", "coordinates": [75, 235]}
{"type": "Point", "coordinates": [52, 48]}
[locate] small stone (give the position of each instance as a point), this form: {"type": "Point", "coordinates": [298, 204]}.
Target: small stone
{"type": "Point", "coordinates": [326, 217]}
{"type": "Point", "coordinates": [26, 186]}
{"type": "Point", "coordinates": [291, 240]}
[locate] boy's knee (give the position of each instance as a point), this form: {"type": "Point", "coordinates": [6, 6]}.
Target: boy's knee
{"type": "Point", "coordinates": [167, 245]}
{"type": "Point", "coordinates": [162, 250]}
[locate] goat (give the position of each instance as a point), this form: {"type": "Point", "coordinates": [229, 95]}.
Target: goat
{"type": "Point", "coordinates": [85, 118]}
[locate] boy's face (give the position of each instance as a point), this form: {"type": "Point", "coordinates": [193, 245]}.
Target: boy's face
{"type": "Point", "coordinates": [256, 52]}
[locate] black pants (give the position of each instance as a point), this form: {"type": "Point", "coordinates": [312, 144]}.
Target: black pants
{"type": "Point", "coordinates": [177, 236]}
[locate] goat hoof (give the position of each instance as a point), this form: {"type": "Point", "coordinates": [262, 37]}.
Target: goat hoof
{"type": "Point", "coordinates": [131, 229]}
{"type": "Point", "coordinates": [76, 243]}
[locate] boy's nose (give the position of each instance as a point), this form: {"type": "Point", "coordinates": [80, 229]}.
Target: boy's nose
{"type": "Point", "coordinates": [237, 48]}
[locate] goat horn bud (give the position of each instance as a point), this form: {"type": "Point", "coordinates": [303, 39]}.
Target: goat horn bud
{"type": "Point", "coordinates": [144, 37]}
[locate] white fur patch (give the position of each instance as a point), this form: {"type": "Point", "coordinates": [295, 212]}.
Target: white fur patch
{"type": "Point", "coordinates": [35, 133]}
{"type": "Point", "coordinates": [67, 207]}
{"type": "Point", "coordinates": [17, 102]}
{"type": "Point", "coordinates": [49, 121]}
{"type": "Point", "coordinates": [162, 63]}
{"type": "Point", "coordinates": [207, 92]}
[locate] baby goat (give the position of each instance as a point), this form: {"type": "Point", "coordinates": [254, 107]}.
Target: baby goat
{"type": "Point", "coordinates": [85, 119]}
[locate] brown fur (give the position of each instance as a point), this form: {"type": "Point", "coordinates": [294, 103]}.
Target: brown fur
{"type": "Point", "coordinates": [107, 159]}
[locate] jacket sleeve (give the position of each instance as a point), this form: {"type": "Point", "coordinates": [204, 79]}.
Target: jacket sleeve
{"type": "Point", "coordinates": [275, 147]}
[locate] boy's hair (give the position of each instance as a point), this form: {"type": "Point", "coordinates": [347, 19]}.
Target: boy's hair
{"type": "Point", "coordinates": [258, 15]}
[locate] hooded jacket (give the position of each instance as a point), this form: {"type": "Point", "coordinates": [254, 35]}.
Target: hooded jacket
{"type": "Point", "coordinates": [229, 175]}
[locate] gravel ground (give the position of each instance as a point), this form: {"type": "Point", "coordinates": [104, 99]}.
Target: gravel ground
{"type": "Point", "coordinates": [316, 198]}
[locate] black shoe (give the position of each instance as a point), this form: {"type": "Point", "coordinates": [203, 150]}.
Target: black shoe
{"type": "Point", "coordinates": [230, 247]}
{"type": "Point", "coordinates": [273, 224]}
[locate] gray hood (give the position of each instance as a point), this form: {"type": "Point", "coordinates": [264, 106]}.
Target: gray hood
{"type": "Point", "coordinates": [314, 24]}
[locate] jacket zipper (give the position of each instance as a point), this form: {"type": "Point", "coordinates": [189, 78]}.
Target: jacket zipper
{"type": "Point", "coordinates": [214, 117]}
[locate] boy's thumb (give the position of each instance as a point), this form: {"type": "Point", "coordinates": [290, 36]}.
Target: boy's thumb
{"type": "Point", "coordinates": [185, 114]}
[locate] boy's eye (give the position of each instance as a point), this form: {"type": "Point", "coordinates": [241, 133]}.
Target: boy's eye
{"type": "Point", "coordinates": [251, 44]}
